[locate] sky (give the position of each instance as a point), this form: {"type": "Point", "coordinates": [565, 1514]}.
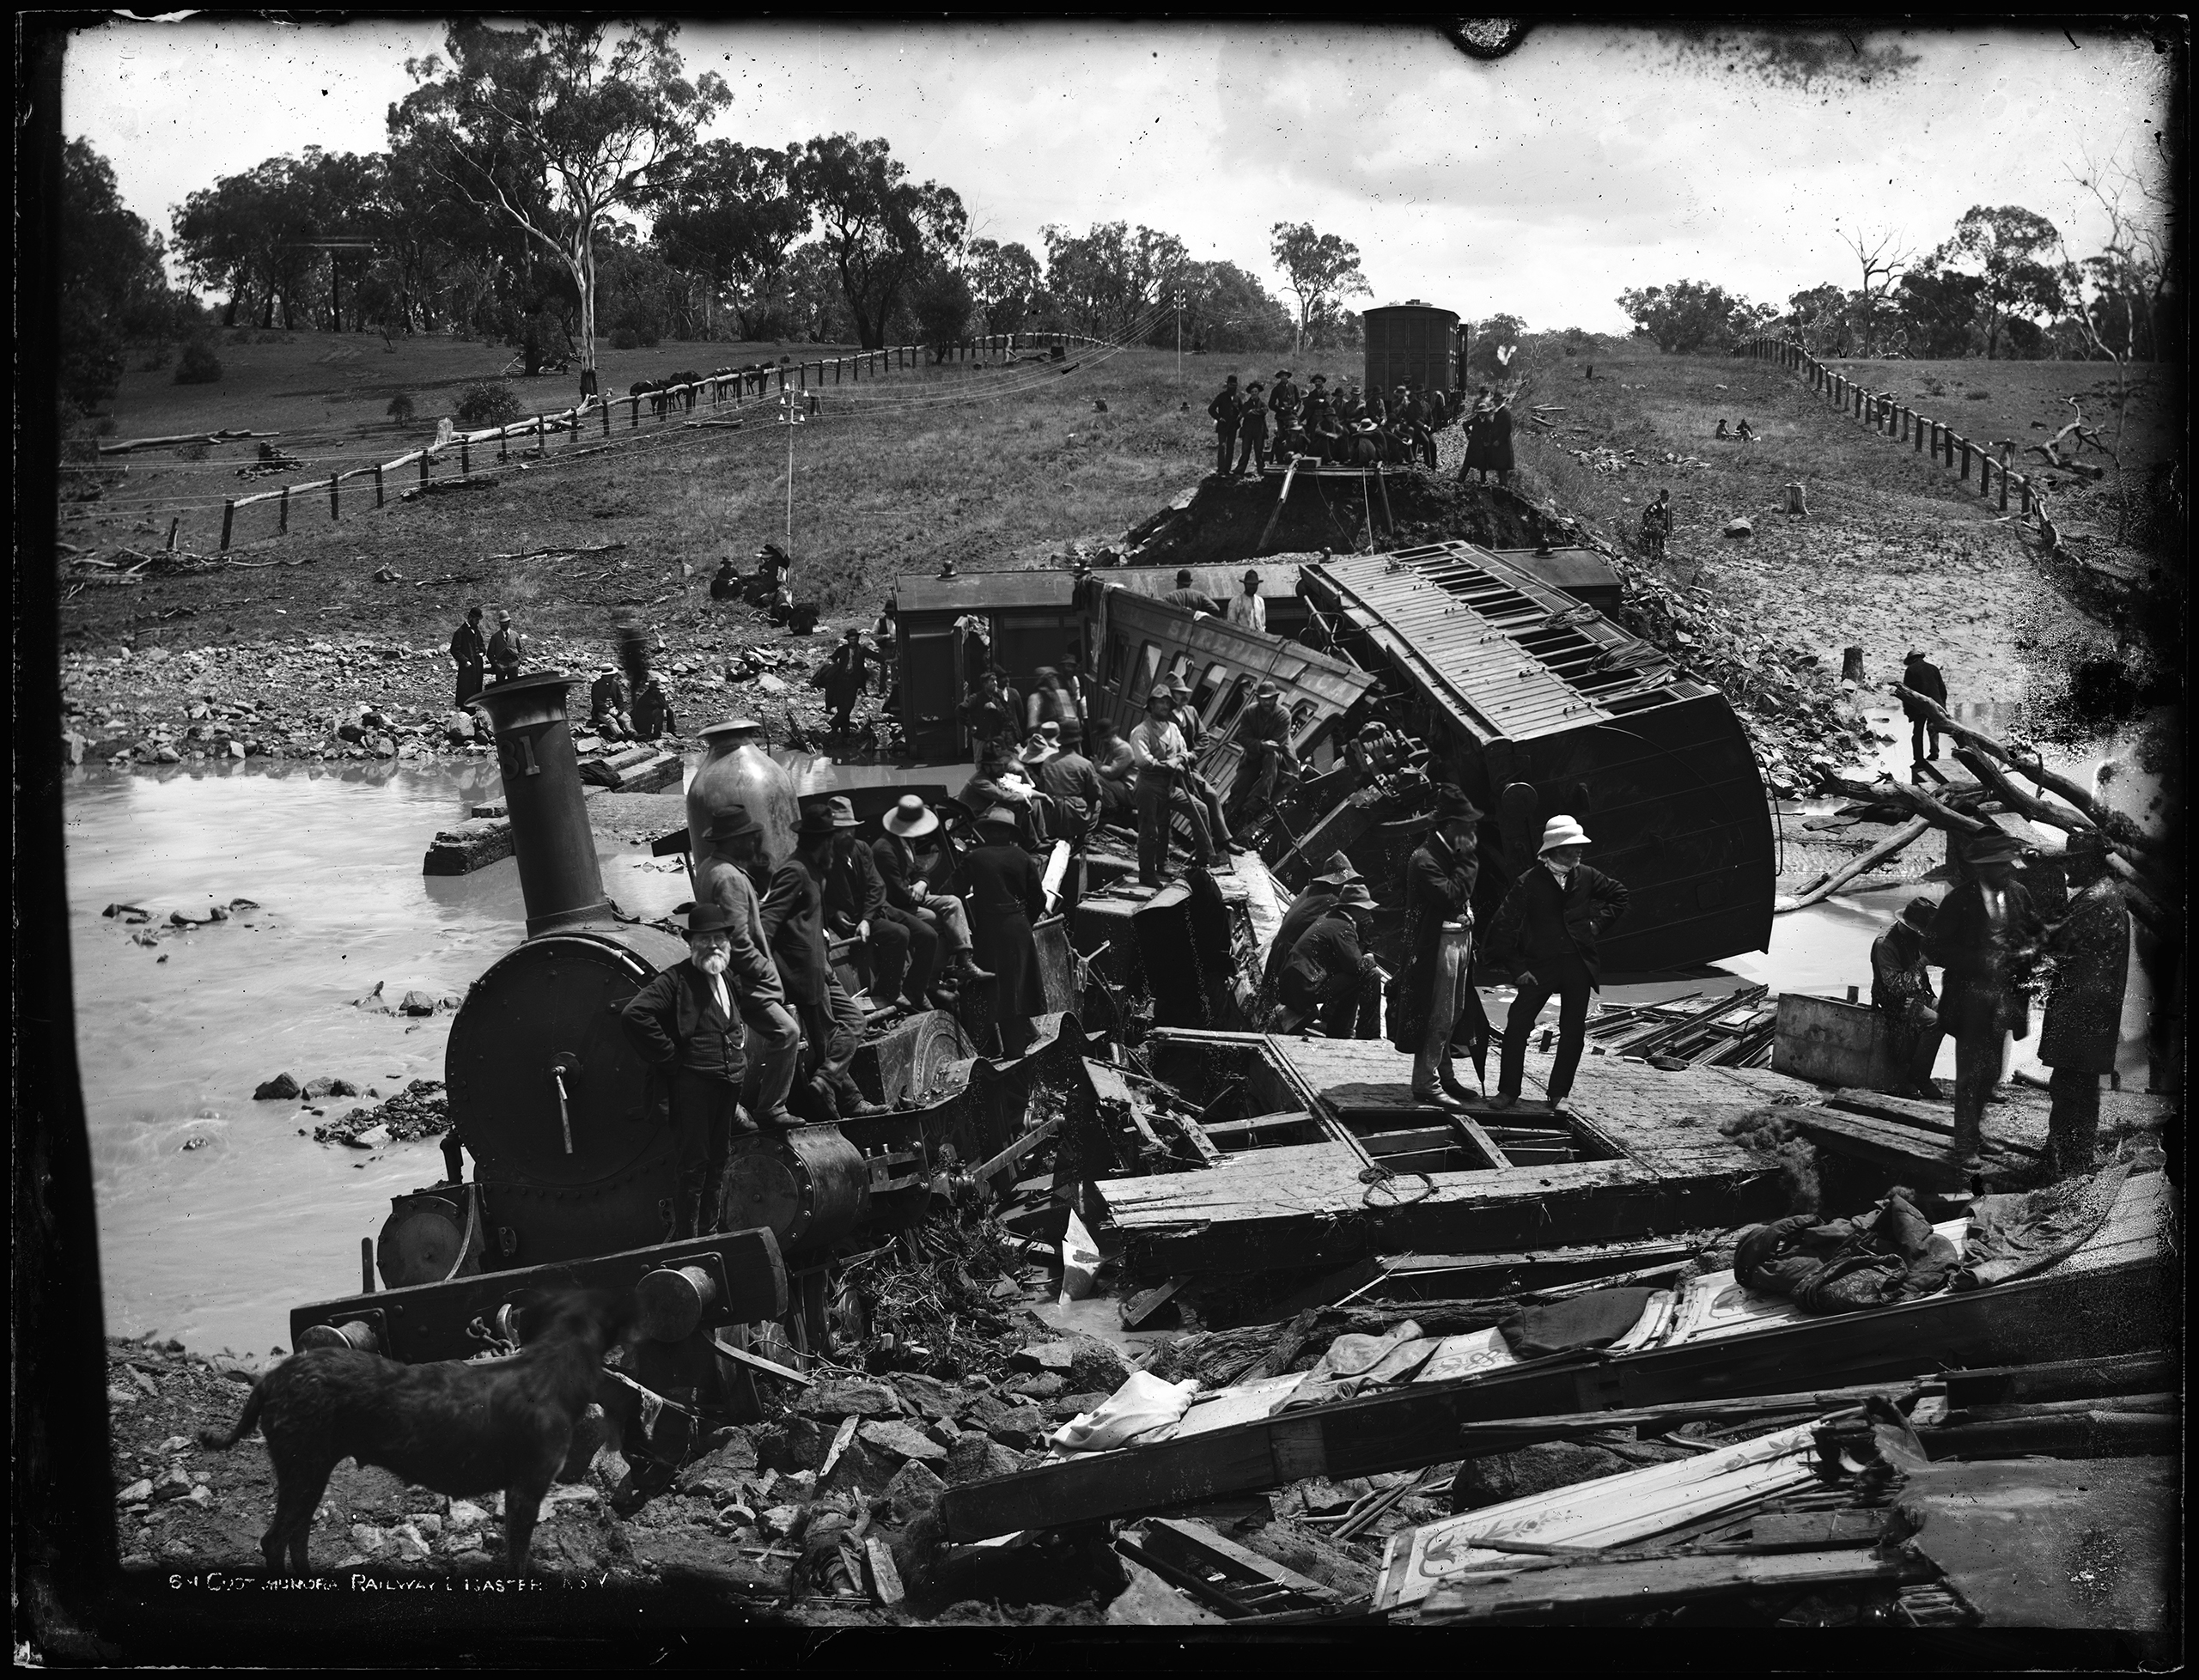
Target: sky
{"type": "Point", "coordinates": [1588, 162]}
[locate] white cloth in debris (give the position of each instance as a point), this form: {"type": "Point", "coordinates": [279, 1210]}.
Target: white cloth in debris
{"type": "Point", "coordinates": [1142, 1403]}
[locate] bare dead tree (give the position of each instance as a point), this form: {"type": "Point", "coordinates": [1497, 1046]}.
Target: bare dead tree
{"type": "Point", "coordinates": [1882, 257]}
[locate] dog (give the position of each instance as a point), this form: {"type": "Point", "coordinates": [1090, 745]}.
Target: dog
{"type": "Point", "coordinates": [458, 1428]}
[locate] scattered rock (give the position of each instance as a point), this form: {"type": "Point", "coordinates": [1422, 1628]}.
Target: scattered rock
{"type": "Point", "coordinates": [903, 1440]}
{"type": "Point", "coordinates": [849, 1399]}
{"type": "Point", "coordinates": [1738, 527]}
{"type": "Point", "coordinates": [1096, 1364]}
{"type": "Point", "coordinates": [1017, 1425]}
{"type": "Point", "coordinates": [416, 1003]}
{"type": "Point", "coordinates": [912, 1491]}
{"type": "Point", "coordinates": [725, 1470]}
{"type": "Point", "coordinates": [171, 1484]}
{"type": "Point", "coordinates": [465, 1514]}
{"type": "Point", "coordinates": [281, 1088]}
{"type": "Point", "coordinates": [330, 1087]}
{"type": "Point", "coordinates": [976, 1456]}
{"type": "Point", "coordinates": [1041, 1356]}
{"type": "Point", "coordinates": [928, 1396]}
{"type": "Point", "coordinates": [143, 1489]}
{"type": "Point", "coordinates": [1072, 1405]}
{"type": "Point", "coordinates": [373, 1138]}
{"type": "Point", "coordinates": [1039, 1385]}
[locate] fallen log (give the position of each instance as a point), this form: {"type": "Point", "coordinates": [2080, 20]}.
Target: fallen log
{"type": "Point", "coordinates": [563, 551]}
{"type": "Point", "coordinates": [2114, 822]}
{"type": "Point", "coordinates": [128, 444]}
{"type": "Point", "coordinates": [1893, 844]}
{"type": "Point", "coordinates": [445, 487]}
{"type": "Point", "coordinates": [2071, 822]}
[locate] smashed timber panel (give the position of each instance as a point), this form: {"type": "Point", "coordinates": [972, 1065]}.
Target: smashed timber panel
{"type": "Point", "coordinates": [1311, 1204]}
{"type": "Point", "coordinates": [2055, 1316]}
{"type": "Point", "coordinates": [1467, 1276]}
{"type": "Point", "coordinates": [2063, 1380]}
{"type": "Point", "coordinates": [430, 1321]}
{"type": "Point", "coordinates": [1920, 1159]}
{"type": "Point", "coordinates": [1533, 1595]}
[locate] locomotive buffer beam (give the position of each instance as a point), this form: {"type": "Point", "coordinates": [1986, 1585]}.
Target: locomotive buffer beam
{"type": "Point", "coordinates": [740, 1271]}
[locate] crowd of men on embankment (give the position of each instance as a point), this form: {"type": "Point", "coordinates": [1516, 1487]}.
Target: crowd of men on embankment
{"type": "Point", "coordinates": [1344, 425]}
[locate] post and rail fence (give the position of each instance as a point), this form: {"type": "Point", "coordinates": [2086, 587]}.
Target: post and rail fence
{"type": "Point", "coordinates": [729, 387]}
{"type": "Point", "coordinates": [1901, 424]}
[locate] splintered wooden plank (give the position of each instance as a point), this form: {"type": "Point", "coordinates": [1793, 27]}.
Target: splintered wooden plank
{"type": "Point", "coordinates": [1536, 1595]}
{"type": "Point", "coordinates": [2082, 1315]}
{"type": "Point", "coordinates": [1196, 1538]}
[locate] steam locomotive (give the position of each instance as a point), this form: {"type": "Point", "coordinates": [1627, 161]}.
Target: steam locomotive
{"type": "Point", "coordinates": [573, 1167]}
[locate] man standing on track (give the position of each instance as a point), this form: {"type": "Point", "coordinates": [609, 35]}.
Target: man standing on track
{"type": "Point", "coordinates": [1252, 431]}
{"type": "Point", "coordinates": [1247, 611]}
{"type": "Point", "coordinates": [1986, 935]}
{"type": "Point", "coordinates": [1548, 926]}
{"type": "Point", "coordinates": [1223, 412]}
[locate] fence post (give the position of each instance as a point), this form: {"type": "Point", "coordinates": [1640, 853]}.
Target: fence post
{"type": "Point", "coordinates": [2024, 485]}
{"type": "Point", "coordinates": [334, 478]}
{"type": "Point", "coordinates": [542, 437]}
{"type": "Point", "coordinates": [1964, 474]}
{"type": "Point", "coordinates": [377, 485]}
{"type": "Point", "coordinates": [606, 419]}
{"type": "Point", "coordinates": [424, 467]}
{"type": "Point", "coordinates": [2004, 481]}
{"type": "Point", "coordinates": [229, 515]}
{"type": "Point", "coordinates": [464, 459]}
{"type": "Point", "coordinates": [285, 525]}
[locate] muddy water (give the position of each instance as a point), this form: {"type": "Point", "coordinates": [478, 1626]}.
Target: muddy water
{"type": "Point", "coordinates": [214, 1243]}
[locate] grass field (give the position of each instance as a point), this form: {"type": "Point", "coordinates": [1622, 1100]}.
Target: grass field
{"type": "Point", "coordinates": [994, 466]}
{"type": "Point", "coordinates": [984, 462]}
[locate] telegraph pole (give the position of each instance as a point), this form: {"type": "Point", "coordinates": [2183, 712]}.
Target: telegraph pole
{"type": "Point", "coordinates": [1179, 338]}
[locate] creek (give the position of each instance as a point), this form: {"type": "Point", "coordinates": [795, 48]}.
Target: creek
{"type": "Point", "coordinates": [217, 1214]}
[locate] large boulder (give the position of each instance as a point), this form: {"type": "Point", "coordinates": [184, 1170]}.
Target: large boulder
{"type": "Point", "coordinates": [726, 1470]}
{"type": "Point", "coordinates": [912, 1492]}
{"type": "Point", "coordinates": [977, 1457]}
{"type": "Point", "coordinates": [837, 1400]}
{"type": "Point", "coordinates": [928, 1396]}
{"type": "Point", "coordinates": [1094, 1364]}
{"type": "Point", "coordinates": [1005, 1419]}
{"type": "Point", "coordinates": [904, 1440]}
{"type": "Point", "coordinates": [281, 1088]}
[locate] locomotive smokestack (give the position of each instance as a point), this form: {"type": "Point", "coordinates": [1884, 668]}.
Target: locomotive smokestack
{"type": "Point", "coordinates": [559, 875]}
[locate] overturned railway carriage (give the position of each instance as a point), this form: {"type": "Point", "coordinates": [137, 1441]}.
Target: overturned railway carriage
{"type": "Point", "coordinates": [1537, 705]}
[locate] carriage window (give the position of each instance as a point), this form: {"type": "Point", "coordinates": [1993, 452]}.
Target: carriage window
{"type": "Point", "coordinates": [1241, 692]}
{"type": "Point", "coordinates": [1216, 675]}
{"type": "Point", "coordinates": [1118, 654]}
{"type": "Point", "coordinates": [1303, 722]}
{"type": "Point", "coordinates": [1149, 664]}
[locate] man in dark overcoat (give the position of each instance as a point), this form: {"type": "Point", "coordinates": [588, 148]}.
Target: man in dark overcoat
{"type": "Point", "coordinates": [1439, 1005]}
{"type": "Point", "coordinates": [2089, 950]}
{"type": "Point", "coordinates": [686, 1022]}
{"type": "Point", "coordinates": [1548, 926]}
{"type": "Point", "coordinates": [469, 652]}
{"type": "Point", "coordinates": [1985, 935]}
{"type": "Point", "coordinates": [1901, 991]}
{"type": "Point", "coordinates": [1920, 676]}
{"type": "Point", "coordinates": [1223, 412]}
{"type": "Point", "coordinates": [1006, 896]}
{"type": "Point", "coordinates": [1330, 971]}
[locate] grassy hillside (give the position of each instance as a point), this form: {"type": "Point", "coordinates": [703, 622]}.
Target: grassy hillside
{"type": "Point", "coordinates": [994, 465]}
{"type": "Point", "coordinates": [985, 462]}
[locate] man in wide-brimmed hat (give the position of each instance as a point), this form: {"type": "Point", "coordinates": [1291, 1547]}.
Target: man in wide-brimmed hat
{"type": "Point", "coordinates": [793, 914]}
{"type": "Point", "coordinates": [1163, 761]}
{"type": "Point", "coordinates": [1900, 989]}
{"type": "Point", "coordinates": [1922, 678]}
{"type": "Point", "coordinates": [1547, 928]}
{"type": "Point", "coordinates": [2090, 948]}
{"type": "Point", "coordinates": [1986, 935]}
{"type": "Point", "coordinates": [1330, 971]}
{"type": "Point", "coordinates": [930, 914]}
{"type": "Point", "coordinates": [1263, 731]}
{"type": "Point", "coordinates": [855, 903]}
{"type": "Point", "coordinates": [686, 1022]}
{"type": "Point", "coordinates": [1283, 399]}
{"type": "Point", "coordinates": [1246, 610]}
{"type": "Point", "coordinates": [1439, 1008]}
{"type": "Point", "coordinates": [1006, 897]}
{"type": "Point", "coordinates": [774, 1036]}
{"type": "Point", "coordinates": [1314, 900]}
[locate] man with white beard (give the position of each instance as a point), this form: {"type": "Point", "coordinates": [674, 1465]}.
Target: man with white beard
{"type": "Point", "coordinates": [686, 1022]}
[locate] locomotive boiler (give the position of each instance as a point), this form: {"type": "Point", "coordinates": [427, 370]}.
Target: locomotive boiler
{"type": "Point", "coordinates": [572, 1156]}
